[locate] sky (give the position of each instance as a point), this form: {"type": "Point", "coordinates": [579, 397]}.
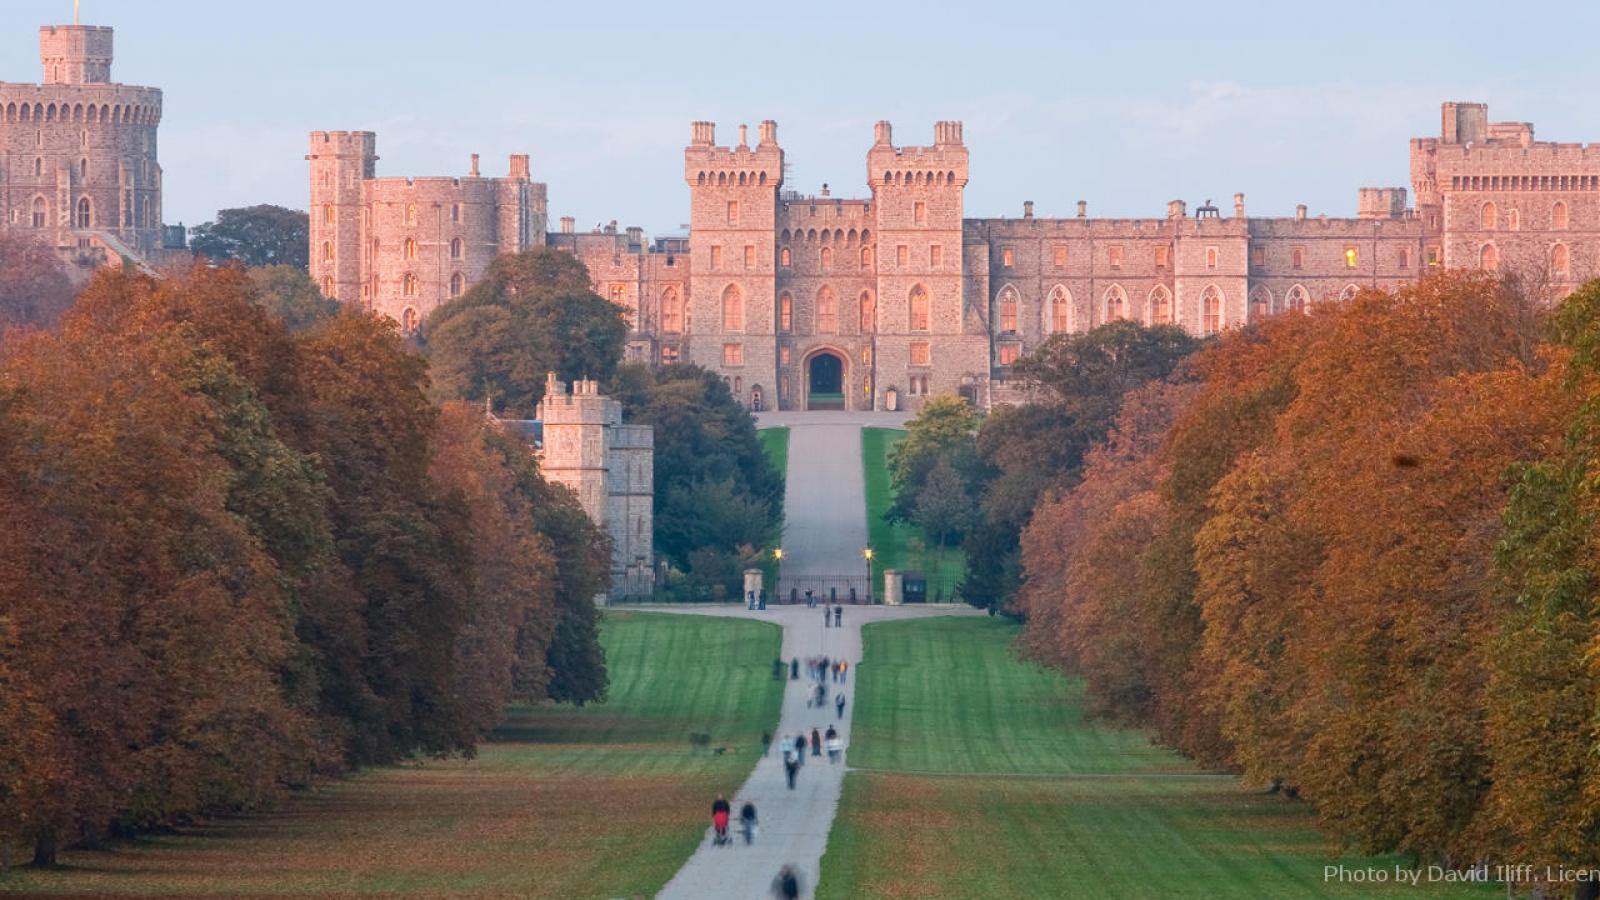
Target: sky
{"type": "Point", "coordinates": [1124, 105]}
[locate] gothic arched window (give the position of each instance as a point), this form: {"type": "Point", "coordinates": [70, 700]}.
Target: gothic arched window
{"type": "Point", "coordinates": [732, 309]}
{"type": "Point", "coordinates": [1116, 303]}
{"type": "Point", "coordinates": [1560, 259]}
{"type": "Point", "coordinates": [917, 309]}
{"type": "Point", "coordinates": [1488, 258]}
{"type": "Point", "coordinates": [1008, 309]}
{"type": "Point", "coordinates": [1160, 306]}
{"type": "Point", "coordinates": [1059, 318]}
{"type": "Point", "coordinates": [671, 312]}
{"type": "Point", "coordinates": [1489, 217]}
{"type": "Point", "coordinates": [1211, 307]}
{"type": "Point", "coordinates": [827, 311]}
{"type": "Point", "coordinates": [869, 313]}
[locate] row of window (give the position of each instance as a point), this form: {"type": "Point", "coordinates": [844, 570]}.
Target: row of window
{"type": "Point", "coordinates": [1560, 258]}
{"type": "Point", "coordinates": [409, 249]}
{"type": "Point", "coordinates": [827, 311]}
{"type": "Point", "coordinates": [330, 213]}
{"type": "Point", "coordinates": [410, 285]}
{"type": "Point", "coordinates": [134, 209]}
{"type": "Point", "coordinates": [93, 114]}
{"type": "Point", "coordinates": [919, 353]}
{"type": "Point", "coordinates": [1524, 182]}
{"type": "Point", "coordinates": [1258, 257]}
{"type": "Point", "coordinates": [836, 236]}
{"type": "Point", "coordinates": [1490, 220]}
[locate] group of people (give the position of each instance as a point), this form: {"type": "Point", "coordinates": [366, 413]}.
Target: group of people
{"type": "Point", "coordinates": [795, 747]}
{"type": "Point", "coordinates": [837, 613]}
{"type": "Point", "coordinates": [720, 813]}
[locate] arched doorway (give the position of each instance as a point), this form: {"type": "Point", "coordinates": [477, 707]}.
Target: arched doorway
{"type": "Point", "coordinates": [825, 381]}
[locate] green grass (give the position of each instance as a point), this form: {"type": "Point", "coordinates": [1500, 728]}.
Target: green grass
{"type": "Point", "coordinates": [976, 775]}
{"type": "Point", "coordinates": [606, 800]}
{"type": "Point", "coordinates": [775, 443]}
{"type": "Point", "coordinates": [897, 546]}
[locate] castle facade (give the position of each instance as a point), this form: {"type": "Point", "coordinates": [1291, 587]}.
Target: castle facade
{"type": "Point", "coordinates": [78, 155]}
{"type": "Point", "coordinates": [823, 302]}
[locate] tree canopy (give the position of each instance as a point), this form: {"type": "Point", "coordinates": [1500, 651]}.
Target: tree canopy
{"type": "Point", "coordinates": [262, 235]}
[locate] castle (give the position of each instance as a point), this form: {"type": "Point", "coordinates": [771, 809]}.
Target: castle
{"type": "Point", "coordinates": [78, 155]}
{"type": "Point", "coordinates": [582, 443]}
{"type": "Point", "coordinates": [818, 302]}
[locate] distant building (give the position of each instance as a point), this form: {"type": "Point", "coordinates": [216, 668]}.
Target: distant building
{"type": "Point", "coordinates": [78, 155]}
{"type": "Point", "coordinates": [583, 444]}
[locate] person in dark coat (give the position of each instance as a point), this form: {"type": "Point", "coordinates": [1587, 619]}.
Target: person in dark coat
{"type": "Point", "coordinates": [787, 885]}
{"type": "Point", "coordinates": [800, 748]}
{"type": "Point", "coordinates": [816, 742]}
{"type": "Point", "coordinates": [838, 704]}
{"type": "Point", "coordinates": [747, 822]}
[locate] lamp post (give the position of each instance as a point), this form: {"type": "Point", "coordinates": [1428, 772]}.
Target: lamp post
{"type": "Point", "coordinates": [777, 587]}
{"type": "Point", "coordinates": [867, 555]}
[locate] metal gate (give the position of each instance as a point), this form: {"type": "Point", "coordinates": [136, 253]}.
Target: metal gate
{"type": "Point", "coordinates": [834, 589]}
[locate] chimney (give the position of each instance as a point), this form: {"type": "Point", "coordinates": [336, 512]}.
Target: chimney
{"type": "Point", "coordinates": [519, 165]}
{"type": "Point", "coordinates": [1083, 209]}
{"type": "Point", "coordinates": [1300, 213]}
{"type": "Point", "coordinates": [1027, 209]}
{"type": "Point", "coordinates": [635, 235]}
{"type": "Point", "coordinates": [744, 135]}
{"type": "Point", "coordinates": [1177, 209]}
{"type": "Point", "coordinates": [569, 225]}
{"type": "Point", "coordinates": [883, 133]}
{"type": "Point", "coordinates": [1238, 206]}
{"type": "Point", "coordinates": [769, 132]}
{"type": "Point", "coordinates": [824, 189]}
{"type": "Point", "coordinates": [474, 165]}
{"type": "Point", "coordinates": [703, 134]}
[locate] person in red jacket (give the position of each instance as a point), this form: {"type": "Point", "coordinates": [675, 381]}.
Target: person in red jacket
{"type": "Point", "coordinates": [719, 818]}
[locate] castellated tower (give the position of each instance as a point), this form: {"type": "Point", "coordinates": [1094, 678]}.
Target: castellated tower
{"type": "Point", "coordinates": [78, 154]}
{"type": "Point", "coordinates": [341, 164]}
{"type": "Point", "coordinates": [733, 215]}
{"type": "Point", "coordinates": [928, 339]}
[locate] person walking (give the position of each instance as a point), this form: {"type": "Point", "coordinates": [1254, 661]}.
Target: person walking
{"type": "Point", "coordinates": [800, 749]}
{"type": "Point", "coordinates": [787, 885]}
{"type": "Point", "coordinates": [844, 672]}
{"type": "Point", "coordinates": [816, 742]}
{"type": "Point", "coordinates": [794, 669]}
{"type": "Point", "coordinates": [838, 703]}
{"type": "Point", "coordinates": [719, 819]}
{"type": "Point", "coordinates": [747, 822]}
{"type": "Point", "coordinates": [834, 745]}
{"type": "Point", "coordinates": [825, 620]}
{"type": "Point", "coordinates": [766, 743]}
{"type": "Point", "coordinates": [791, 766]}
{"type": "Point", "coordinates": [838, 616]}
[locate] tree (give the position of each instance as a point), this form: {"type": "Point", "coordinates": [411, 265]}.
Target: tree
{"type": "Point", "coordinates": [255, 236]}
{"type": "Point", "coordinates": [35, 288]}
{"type": "Point", "coordinates": [289, 295]}
{"type": "Point", "coordinates": [533, 313]}
{"type": "Point", "coordinates": [943, 506]}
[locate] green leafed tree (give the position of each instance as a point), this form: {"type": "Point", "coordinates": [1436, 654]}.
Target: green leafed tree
{"type": "Point", "coordinates": [262, 235]}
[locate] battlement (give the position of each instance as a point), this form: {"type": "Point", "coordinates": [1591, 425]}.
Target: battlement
{"type": "Point", "coordinates": [343, 143]}
{"type": "Point", "coordinates": [1381, 203]}
{"type": "Point", "coordinates": [708, 165]}
{"type": "Point", "coordinates": [944, 164]}
{"type": "Point", "coordinates": [75, 54]}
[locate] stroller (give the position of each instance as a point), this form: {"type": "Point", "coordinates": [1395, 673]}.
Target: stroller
{"type": "Point", "coordinates": [719, 822]}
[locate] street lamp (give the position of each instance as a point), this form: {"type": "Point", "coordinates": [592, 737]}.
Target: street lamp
{"type": "Point", "coordinates": [777, 586]}
{"type": "Point", "coordinates": [867, 555]}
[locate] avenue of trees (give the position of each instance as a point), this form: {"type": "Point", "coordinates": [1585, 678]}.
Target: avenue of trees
{"type": "Point", "coordinates": [241, 555]}
{"type": "Point", "coordinates": [1352, 554]}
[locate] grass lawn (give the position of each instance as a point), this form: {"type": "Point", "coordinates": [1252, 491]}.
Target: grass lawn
{"type": "Point", "coordinates": [605, 800]}
{"type": "Point", "coordinates": [899, 546]}
{"type": "Point", "coordinates": [775, 442]}
{"type": "Point", "coordinates": [975, 775]}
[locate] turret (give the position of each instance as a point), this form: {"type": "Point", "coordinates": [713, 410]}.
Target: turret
{"type": "Point", "coordinates": [75, 54]}
{"type": "Point", "coordinates": [340, 162]}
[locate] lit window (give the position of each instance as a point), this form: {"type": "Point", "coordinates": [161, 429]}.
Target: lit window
{"type": "Point", "coordinates": [732, 309]}
{"type": "Point", "coordinates": [669, 355]}
{"type": "Point", "coordinates": [785, 313]}
{"type": "Point", "coordinates": [1114, 257]}
{"type": "Point", "coordinates": [827, 312]}
{"type": "Point", "coordinates": [1008, 354]}
{"type": "Point", "coordinates": [327, 214]}
{"type": "Point", "coordinates": [1061, 257]}
{"type": "Point", "coordinates": [783, 356]}
{"type": "Point", "coordinates": [935, 256]}
{"type": "Point", "coordinates": [1008, 257]}
{"type": "Point", "coordinates": [917, 308]}
{"type": "Point", "coordinates": [1433, 256]}
{"type": "Point", "coordinates": [327, 286]}
{"type": "Point", "coordinates": [411, 248]}
{"type": "Point", "coordinates": [327, 251]}
{"type": "Point", "coordinates": [733, 354]}
{"type": "Point", "coordinates": [619, 294]}
{"type": "Point", "coordinates": [1008, 310]}
{"type": "Point", "coordinates": [1350, 257]}
{"type": "Point", "coordinates": [408, 285]}
{"type": "Point", "coordinates": [1059, 323]}
{"type": "Point", "coordinates": [919, 353]}
{"type": "Point", "coordinates": [1211, 305]}
{"type": "Point", "coordinates": [408, 321]}
{"type": "Point", "coordinates": [783, 257]}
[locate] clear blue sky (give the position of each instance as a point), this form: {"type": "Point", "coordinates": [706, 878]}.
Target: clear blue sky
{"type": "Point", "coordinates": [1125, 105]}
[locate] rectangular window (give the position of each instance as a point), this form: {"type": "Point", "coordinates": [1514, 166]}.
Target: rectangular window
{"type": "Point", "coordinates": [1061, 257]}
{"type": "Point", "coordinates": [1114, 257]}
{"type": "Point", "coordinates": [1258, 256]}
{"type": "Point", "coordinates": [749, 256]}
{"type": "Point", "coordinates": [1349, 257]}
{"type": "Point", "coordinates": [669, 355]}
{"type": "Point", "coordinates": [1433, 256]}
{"type": "Point", "coordinates": [1211, 257]}
{"type": "Point", "coordinates": [1297, 257]}
{"type": "Point", "coordinates": [935, 256]}
{"type": "Point", "coordinates": [1008, 257]}
{"type": "Point", "coordinates": [733, 354]}
{"type": "Point", "coordinates": [1404, 258]}
{"type": "Point", "coordinates": [1161, 257]}
{"type": "Point", "coordinates": [783, 356]}
{"type": "Point", "coordinates": [455, 212]}
{"type": "Point", "coordinates": [902, 254]}
{"type": "Point", "coordinates": [619, 294]}
{"type": "Point", "coordinates": [716, 256]}
{"type": "Point", "coordinates": [919, 353]}
{"type": "Point", "coordinates": [920, 213]}
{"type": "Point", "coordinates": [733, 212]}
{"type": "Point", "coordinates": [1008, 354]}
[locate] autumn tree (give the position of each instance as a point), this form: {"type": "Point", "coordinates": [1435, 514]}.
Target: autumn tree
{"type": "Point", "coordinates": [35, 287]}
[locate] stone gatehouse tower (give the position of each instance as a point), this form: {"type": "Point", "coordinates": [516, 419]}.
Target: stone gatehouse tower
{"type": "Point", "coordinates": [78, 154]}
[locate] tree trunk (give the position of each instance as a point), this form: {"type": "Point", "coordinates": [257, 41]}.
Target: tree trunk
{"type": "Point", "coordinates": [44, 850]}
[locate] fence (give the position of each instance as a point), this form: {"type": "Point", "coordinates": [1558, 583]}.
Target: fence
{"type": "Point", "coordinates": [826, 588]}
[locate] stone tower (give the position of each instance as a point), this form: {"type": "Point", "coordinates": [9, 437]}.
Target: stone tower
{"type": "Point", "coordinates": [927, 338]}
{"type": "Point", "coordinates": [341, 164]}
{"type": "Point", "coordinates": [78, 152]}
{"type": "Point", "coordinates": [733, 215]}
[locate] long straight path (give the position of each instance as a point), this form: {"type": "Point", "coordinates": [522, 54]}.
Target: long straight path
{"type": "Point", "coordinates": [825, 501]}
{"type": "Point", "coordinates": [794, 823]}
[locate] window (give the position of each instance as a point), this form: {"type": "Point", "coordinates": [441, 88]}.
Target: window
{"type": "Point", "coordinates": [85, 213]}
{"type": "Point", "coordinates": [411, 248]}
{"type": "Point", "coordinates": [935, 255]}
{"type": "Point", "coordinates": [408, 285]}
{"type": "Point", "coordinates": [1558, 216]}
{"type": "Point", "coordinates": [919, 213]}
{"type": "Point", "coordinates": [827, 257]}
{"type": "Point", "coordinates": [619, 294]}
{"type": "Point", "coordinates": [1114, 257]}
{"type": "Point", "coordinates": [408, 321]}
{"type": "Point", "coordinates": [733, 212]}
{"type": "Point", "coordinates": [1059, 323]}
{"type": "Point", "coordinates": [783, 356]}
{"type": "Point", "coordinates": [83, 169]}
{"type": "Point", "coordinates": [458, 283]}
{"type": "Point", "coordinates": [1161, 257]}
{"type": "Point", "coordinates": [902, 255]}
{"type": "Point", "coordinates": [1297, 257]}
{"type": "Point", "coordinates": [1160, 306]}
{"type": "Point", "coordinates": [38, 167]}
{"type": "Point", "coordinates": [1560, 259]}
{"type": "Point", "coordinates": [327, 214]}
{"type": "Point", "coordinates": [1433, 256]}
{"type": "Point", "coordinates": [455, 213]}
{"type": "Point", "coordinates": [716, 256]}
{"type": "Point", "coordinates": [1060, 257]}
{"type": "Point", "coordinates": [455, 248]}
{"type": "Point", "coordinates": [917, 309]}
{"type": "Point", "coordinates": [732, 309]}
{"type": "Point", "coordinates": [411, 214]}
{"type": "Point", "coordinates": [1260, 303]}
{"type": "Point", "coordinates": [783, 257]}
{"type": "Point", "coordinates": [38, 212]}
{"type": "Point", "coordinates": [785, 313]}
{"type": "Point", "coordinates": [869, 313]}
{"type": "Point", "coordinates": [749, 256]}
{"type": "Point", "coordinates": [1488, 258]}
{"type": "Point", "coordinates": [1211, 306]}
{"type": "Point", "coordinates": [1350, 259]}
{"type": "Point", "coordinates": [327, 251]}
{"type": "Point", "coordinates": [1116, 303]}
{"type": "Point", "coordinates": [327, 286]}
{"type": "Point", "coordinates": [1211, 257]}
{"type": "Point", "coordinates": [1488, 217]}
{"type": "Point", "coordinates": [1007, 353]}
{"type": "Point", "coordinates": [1297, 300]}
{"type": "Point", "coordinates": [1008, 257]}
{"type": "Point", "coordinates": [669, 355]}
{"type": "Point", "coordinates": [1514, 220]}
{"type": "Point", "coordinates": [919, 353]}
{"type": "Point", "coordinates": [1008, 309]}
{"type": "Point", "coordinates": [866, 256]}
{"type": "Point", "coordinates": [1258, 256]}
{"type": "Point", "coordinates": [671, 312]}
{"type": "Point", "coordinates": [827, 312]}
{"type": "Point", "coordinates": [733, 354]}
